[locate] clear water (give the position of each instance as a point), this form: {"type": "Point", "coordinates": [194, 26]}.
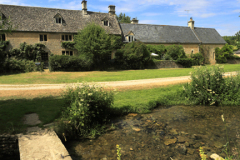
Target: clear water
{"type": "Point", "coordinates": [167, 133]}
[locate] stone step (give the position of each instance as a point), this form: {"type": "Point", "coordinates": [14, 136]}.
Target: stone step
{"type": "Point", "coordinates": [42, 145]}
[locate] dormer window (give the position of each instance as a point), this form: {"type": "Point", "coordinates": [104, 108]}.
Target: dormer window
{"type": "Point", "coordinates": [3, 17]}
{"type": "Point", "coordinates": [59, 19]}
{"type": "Point", "coordinates": [106, 23]}
{"type": "Point", "coordinates": [131, 38]}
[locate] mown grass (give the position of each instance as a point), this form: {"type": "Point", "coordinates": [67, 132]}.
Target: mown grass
{"type": "Point", "coordinates": [99, 76]}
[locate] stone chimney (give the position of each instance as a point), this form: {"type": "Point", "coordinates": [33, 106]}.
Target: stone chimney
{"type": "Point", "coordinates": [191, 23]}
{"type": "Point", "coordinates": [111, 10]}
{"type": "Point", "coordinates": [134, 21]}
{"type": "Point", "coordinates": [84, 7]}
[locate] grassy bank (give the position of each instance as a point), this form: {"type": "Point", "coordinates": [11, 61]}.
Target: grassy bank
{"type": "Point", "coordinates": [49, 108]}
{"type": "Point", "coordinates": [99, 76]}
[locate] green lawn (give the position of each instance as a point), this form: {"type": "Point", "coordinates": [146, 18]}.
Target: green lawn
{"type": "Point", "coordinates": [99, 76]}
{"type": "Point", "coordinates": [49, 108]}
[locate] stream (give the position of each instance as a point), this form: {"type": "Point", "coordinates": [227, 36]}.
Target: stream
{"type": "Point", "coordinates": [168, 133]}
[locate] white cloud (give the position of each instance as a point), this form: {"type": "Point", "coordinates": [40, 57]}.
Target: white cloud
{"type": "Point", "coordinates": [10, 2]}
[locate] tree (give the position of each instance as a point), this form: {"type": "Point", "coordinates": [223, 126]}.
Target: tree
{"type": "Point", "coordinates": [122, 18]}
{"type": "Point", "coordinates": [94, 43]}
{"type": "Point", "coordinates": [237, 35]}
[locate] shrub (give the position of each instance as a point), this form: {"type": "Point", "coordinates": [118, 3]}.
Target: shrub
{"type": "Point", "coordinates": [175, 52]}
{"type": "Point", "coordinates": [185, 62]}
{"type": "Point", "coordinates": [13, 65]}
{"type": "Point", "coordinates": [68, 45]}
{"type": "Point", "coordinates": [133, 56]}
{"type": "Point", "coordinates": [226, 52]}
{"type": "Point", "coordinates": [209, 88]}
{"type": "Point", "coordinates": [198, 59]}
{"type": "Point", "coordinates": [86, 108]}
{"type": "Point", "coordinates": [69, 63]}
{"type": "Point", "coordinates": [158, 49]}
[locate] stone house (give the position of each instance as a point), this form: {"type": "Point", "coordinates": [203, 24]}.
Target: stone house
{"type": "Point", "coordinates": [190, 37]}
{"type": "Point", "coordinates": [53, 26]}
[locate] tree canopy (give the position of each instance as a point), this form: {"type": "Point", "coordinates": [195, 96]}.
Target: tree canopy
{"type": "Point", "coordinates": [122, 18]}
{"type": "Point", "coordinates": [5, 25]}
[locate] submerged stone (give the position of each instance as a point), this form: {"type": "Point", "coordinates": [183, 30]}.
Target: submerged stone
{"type": "Point", "coordinates": [170, 141]}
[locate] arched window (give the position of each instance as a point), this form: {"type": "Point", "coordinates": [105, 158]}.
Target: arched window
{"type": "Point", "coordinates": [58, 19]}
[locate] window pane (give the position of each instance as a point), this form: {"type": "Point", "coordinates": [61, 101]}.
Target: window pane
{"type": "Point", "coordinates": [71, 53]}
{"type": "Point", "coordinates": [70, 38]}
{"type": "Point", "coordinates": [60, 20]}
{"type": "Point", "coordinates": [63, 37]}
{"type": "Point", "coordinates": [66, 37]}
{"type": "Point", "coordinates": [57, 20]}
{"type": "Point", "coordinates": [67, 53]}
{"type": "Point", "coordinates": [41, 37]}
{"type": "Point", "coordinates": [63, 52]}
{"type": "Point", "coordinates": [45, 37]}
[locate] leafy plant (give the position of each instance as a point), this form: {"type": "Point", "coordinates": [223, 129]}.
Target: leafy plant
{"type": "Point", "coordinates": [175, 52]}
{"type": "Point", "coordinates": [226, 52]}
{"type": "Point", "coordinates": [118, 152]}
{"type": "Point", "coordinates": [94, 43]}
{"type": "Point", "coordinates": [86, 110]}
{"type": "Point", "coordinates": [186, 62]}
{"type": "Point", "coordinates": [68, 45]}
{"type": "Point", "coordinates": [122, 18]}
{"type": "Point", "coordinates": [133, 55]}
{"type": "Point", "coordinates": [198, 58]}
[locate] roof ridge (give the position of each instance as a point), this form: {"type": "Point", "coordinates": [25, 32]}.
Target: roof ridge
{"type": "Point", "coordinates": [155, 25]}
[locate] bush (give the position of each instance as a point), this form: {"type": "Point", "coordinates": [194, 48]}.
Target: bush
{"type": "Point", "coordinates": [86, 109]}
{"type": "Point", "coordinates": [158, 49]}
{"type": "Point", "coordinates": [226, 52]}
{"type": "Point", "coordinates": [198, 59]}
{"type": "Point", "coordinates": [185, 62]}
{"type": "Point", "coordinates": [209, 88]}
{"type": "Point", "coordinates": [13, 65]}
{"type": "Point", "coordinates": [68, 45]}
{"type": "Point", "coordinates": [69, 63]}
{"type": "Point", "coordinates": [175, 52]}
{"type": "Point", "coordinates": [133, 56]}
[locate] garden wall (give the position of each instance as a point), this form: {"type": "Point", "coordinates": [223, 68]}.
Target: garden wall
{"type": "Point", "coordinates": [165, 64]}
{"type": "Point", "coordinates": [233, 61]}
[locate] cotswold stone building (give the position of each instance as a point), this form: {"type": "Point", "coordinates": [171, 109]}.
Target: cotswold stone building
{"type": "Point", "coordinates": [191, 38]}
{"type": "Point", "coordinates": [53, 26]}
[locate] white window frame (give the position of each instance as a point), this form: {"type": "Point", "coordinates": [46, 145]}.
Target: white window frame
{"type": "Point", "coordinates": [106, 23]}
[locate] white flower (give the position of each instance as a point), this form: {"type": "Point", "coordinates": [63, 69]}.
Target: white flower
{"type": "Point", "coordinates": [89, 94]}
{"type": "Point", "coordinates": [222, 118]}
{"type": "Point", "coordinates": [212, 103]}
{"type": "Point", "coordinates": [82, 100]}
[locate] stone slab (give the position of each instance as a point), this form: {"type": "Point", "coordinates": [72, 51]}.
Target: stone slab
{"type": "Point", "coordinates": [44, 145]}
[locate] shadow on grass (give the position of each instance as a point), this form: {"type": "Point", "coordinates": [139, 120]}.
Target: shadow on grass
{"type": "Point", "coordinates": [12, 112]}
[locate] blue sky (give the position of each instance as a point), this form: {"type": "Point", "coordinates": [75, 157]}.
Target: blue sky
{"type": "Point", "coordinates": [223, 15]}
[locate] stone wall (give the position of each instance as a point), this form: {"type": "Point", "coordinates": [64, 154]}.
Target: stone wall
{"type": "Point", "coordinates": [188, 48]}
{"type": "Point", "coordinates": [233, 61]}
{"type": "Point", "coordinates": [53, 43]}
{"type": "Point", "coordinates": [208, 51]}
{"type": "Point", "coordinates": [165, 64]}
{"type": "Point", "coordinates": [9, 147]}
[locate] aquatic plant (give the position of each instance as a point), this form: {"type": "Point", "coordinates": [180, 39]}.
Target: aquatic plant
{"type": "Point", "coordinates": [202, 155]}
{"type": "Point", "coordinates": [118, 152]}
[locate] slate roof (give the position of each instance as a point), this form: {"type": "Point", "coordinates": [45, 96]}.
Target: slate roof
{"type": "Point", "coordinates": [209, 36]}
{"type": "Point", "coordinates": [39, 19]}
{"type": "Point", "coordinates": [172, 34]}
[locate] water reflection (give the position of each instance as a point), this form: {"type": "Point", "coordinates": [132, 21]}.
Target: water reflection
{"type": "Point", "coordinates": [175, 132]}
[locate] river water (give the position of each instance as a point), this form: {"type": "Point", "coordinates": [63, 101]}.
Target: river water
{"type": "Point", "coordinates": [173, 132]}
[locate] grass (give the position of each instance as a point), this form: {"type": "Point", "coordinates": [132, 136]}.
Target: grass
{"type": "Point", "coordinates": [13, 110]}
{"type": "Point", "coordinates": [49, 108]}
{"type": "Point", "coordinates": [99, 76]}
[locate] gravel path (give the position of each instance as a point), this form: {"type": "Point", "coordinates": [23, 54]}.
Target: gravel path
{"type": "Point", "coordinates": [36, 90]}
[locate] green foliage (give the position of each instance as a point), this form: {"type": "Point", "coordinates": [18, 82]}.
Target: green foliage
{"type": "Point", "coordinates": [116, 42]}
{"type": "Point", "coordinates": [94, 43]}
{"type": "Point", "coordinates": [158, 49]}
{"type": "Point", "coordinates": [231, 40]}
{"type": "Point", "coordinates": [13, 65]}
{"type": "Point", "coordinates": [185, 62]}
{"type": "Point", "coordinates": [68, 45]}
{"type": "Point", "coordinates": [6, 25]}
{"type": "Point", "coordinates": [226, 52]}
{"type": "Point", "coordinates": [69, 63]}
{"type": "Point", "coordinates": [86, 108]}
{"type": "Point", "coordinates": [175, 52]}
{"type": "Point", "coordinates": [3, 54]}
{"type": "Point", "coordinates": [198, 59]}
{"type": "Point", "coordinates": [209, 88]}
{"type": "Point", "coordinates": [122, 18]}
{"type": "Point", "coordinates": [132, 56]}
